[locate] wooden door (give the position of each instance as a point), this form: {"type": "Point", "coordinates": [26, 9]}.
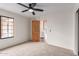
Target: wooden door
{"type": "Point", "coordinates": [35, 31]}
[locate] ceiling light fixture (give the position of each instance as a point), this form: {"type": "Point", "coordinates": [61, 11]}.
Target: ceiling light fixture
{"type": "Point", "coordinates": [30, 10]}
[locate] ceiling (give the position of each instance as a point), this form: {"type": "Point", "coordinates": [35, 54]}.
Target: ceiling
{"type": "Point", "coordinates": [48, 7]}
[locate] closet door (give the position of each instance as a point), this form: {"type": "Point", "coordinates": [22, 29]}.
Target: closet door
{"type": "Point", "coordinates": [35, 31]}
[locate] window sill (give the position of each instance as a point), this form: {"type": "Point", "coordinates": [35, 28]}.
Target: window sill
{"type": "Point", "coordinates": [6, 37]}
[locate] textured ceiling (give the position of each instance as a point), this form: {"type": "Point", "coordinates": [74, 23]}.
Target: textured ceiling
{"type": "Point", "coordinates": [48, 7]}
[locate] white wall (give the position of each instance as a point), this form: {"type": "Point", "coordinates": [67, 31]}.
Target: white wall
{"type": "Point", "coordinates": [61, 26]}
{"type": "Point", "coordinates": [21, 30]}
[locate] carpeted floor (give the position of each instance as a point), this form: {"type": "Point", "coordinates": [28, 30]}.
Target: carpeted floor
{"type": "Point", "coordinates": [36, 49]}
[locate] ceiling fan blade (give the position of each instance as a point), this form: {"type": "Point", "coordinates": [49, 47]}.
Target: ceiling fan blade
{"type": "Point", "coordinates": [33, 13]}
{"type": "Point", "coordinates": [32, 4]}
{"type": "Point", "coordinates": [25, 10]}
{"type": "Point", "coordinates": [38, 9]}
{"type": "Point", "coordinates": [23, 5]}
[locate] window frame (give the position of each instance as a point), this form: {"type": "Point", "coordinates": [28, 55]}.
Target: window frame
{"type": "Point", "coordinates": [7, 29]}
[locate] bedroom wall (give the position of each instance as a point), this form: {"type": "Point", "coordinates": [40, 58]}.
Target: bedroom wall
{"type": "Point", "coordinates": [21, 32]}
{"type": "Point", "coordinates": [60, 30]}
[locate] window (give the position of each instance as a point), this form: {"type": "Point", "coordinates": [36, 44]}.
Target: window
{"type": "Point", "coordinates": [6, 27]}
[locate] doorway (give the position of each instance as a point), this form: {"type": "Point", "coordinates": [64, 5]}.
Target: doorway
{"type": "Point", "coordinates": [35, 30]}
{"type": "Point", "coordinates": [39, 30]}
{"type": "Point", "coordinates": [43, 30]}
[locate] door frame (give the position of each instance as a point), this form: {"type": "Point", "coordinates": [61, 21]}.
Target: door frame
{"type": "Point", "coordinates": [77, 31]}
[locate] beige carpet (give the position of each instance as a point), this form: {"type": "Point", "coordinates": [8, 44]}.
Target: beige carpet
{"type": "Point", "coordinates": [35, 49]}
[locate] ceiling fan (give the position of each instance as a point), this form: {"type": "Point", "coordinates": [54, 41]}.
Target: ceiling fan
{"type": "Point", "coordinates": [31, 8]}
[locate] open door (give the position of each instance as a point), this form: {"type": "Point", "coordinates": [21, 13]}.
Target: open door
{"type": "Point", "coordinates": [35, 30]}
